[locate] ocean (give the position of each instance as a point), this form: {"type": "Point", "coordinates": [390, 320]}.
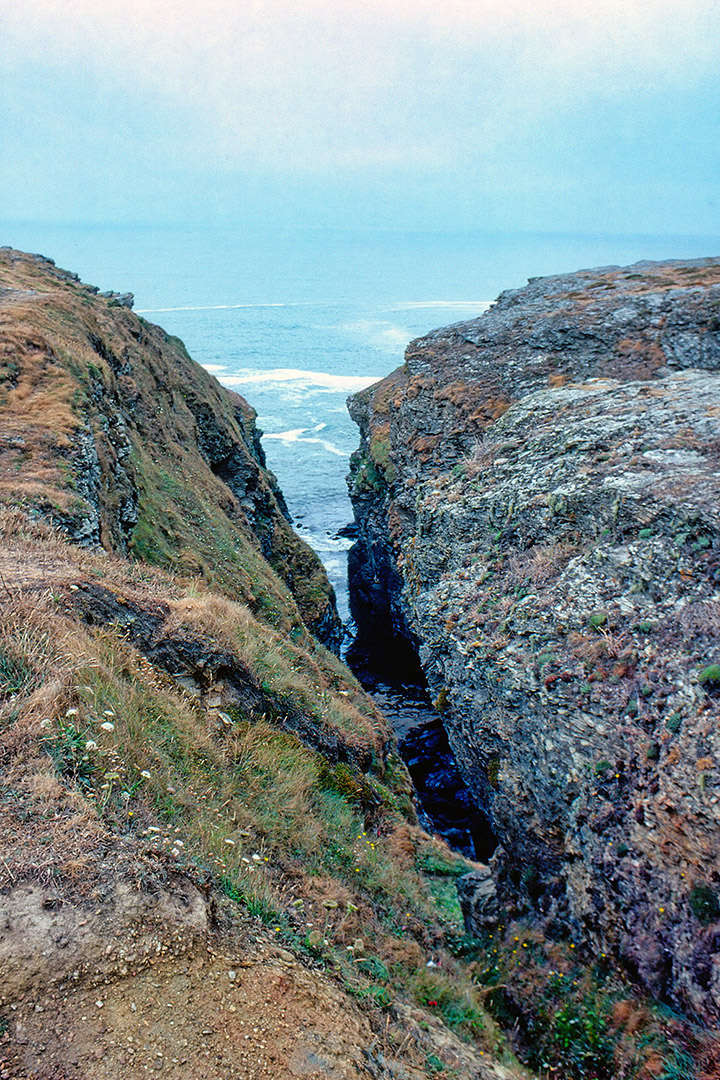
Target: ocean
{"type": "Point", "coordinates": [296, 319]}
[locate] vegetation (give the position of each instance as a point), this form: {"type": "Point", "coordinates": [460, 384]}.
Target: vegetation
{"type": "Point", "coordinates": [575, 1016]}
{"type": "Point", "coordinates": [319, 847]}
{"type": "Point", "coordinates": [704, 903]}
{"type": "Point", "coordinates": [710, 675]}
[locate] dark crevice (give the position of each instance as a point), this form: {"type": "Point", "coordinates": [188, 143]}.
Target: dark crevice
{"type": "Point", "coordinates": [445, 805]}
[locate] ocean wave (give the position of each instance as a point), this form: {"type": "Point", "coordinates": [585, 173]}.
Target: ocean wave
{"type": "Point", "coordinates": [322, 542]}
{"type": "Point", "coordinates": [398, 306]}
{"type": "Point", "coordinates": [379, 333]}
{"type": "Point", "coordinates": [298, 435]}
{"type": "Point", "coordinates": [225, 307]}
{"type": "Point", "coordinates": [299, 379]}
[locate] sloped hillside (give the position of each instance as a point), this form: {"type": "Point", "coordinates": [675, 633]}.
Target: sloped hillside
{"type": "Point", "coordinates": [113, 433]}
{"type": "Point", "coordinates": [210, 864]}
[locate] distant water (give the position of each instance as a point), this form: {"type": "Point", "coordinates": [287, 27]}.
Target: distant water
{"type": "Point", "coordinates": [297, 319]}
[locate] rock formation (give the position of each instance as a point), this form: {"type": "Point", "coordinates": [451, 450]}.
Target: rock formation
{"type": "Point", "coordinates": [210, 863]}
{"type": "Point", "coordinates": [113, 433]}
{"type": "Point", "coordinates": [537, 494]}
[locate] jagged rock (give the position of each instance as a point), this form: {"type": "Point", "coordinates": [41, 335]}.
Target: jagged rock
{"type": "Point", "coordinates": [121, 299]}
{"type": "Point", "coordinates": [537, 495]}
{"type": "Point", "coordinates": [477, 894]}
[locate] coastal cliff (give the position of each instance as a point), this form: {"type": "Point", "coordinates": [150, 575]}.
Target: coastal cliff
{"type": "Point", "coordinates": [210, 862]}
{"type": "Point", "coordinates": [111, 432]}
{"type": "Point", "coordinates": [537, 494]}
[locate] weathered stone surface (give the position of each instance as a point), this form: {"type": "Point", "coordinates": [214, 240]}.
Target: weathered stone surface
{"type": "Point", "coordinates": [477, 894]}
{"type": "Point", "coordinates": [538, 501]}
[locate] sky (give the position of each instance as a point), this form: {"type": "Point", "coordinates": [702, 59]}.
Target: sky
{"type": "Point", "coordinates": [527, 115]}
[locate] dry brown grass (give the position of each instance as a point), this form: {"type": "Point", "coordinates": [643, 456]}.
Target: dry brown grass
{"type": "Point", "coordinates": [541, 563]}
{"type": "Point", "coordinates": [262, 815]}
{"type": "Point", "coordinates": [481, 458]}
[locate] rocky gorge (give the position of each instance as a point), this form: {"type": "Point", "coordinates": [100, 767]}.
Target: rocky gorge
{"type": "Point", "coordinates": [213, 861]}
{"type": "Point", "coordinates": [537, 497]}
{"type": "Point", "coordinates": [210, 860]}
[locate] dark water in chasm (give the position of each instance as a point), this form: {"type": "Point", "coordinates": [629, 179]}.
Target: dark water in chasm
{"type": "Point", "coordinates": [445, 806]}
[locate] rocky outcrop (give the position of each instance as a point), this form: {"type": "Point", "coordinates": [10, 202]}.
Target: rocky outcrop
{"type": "Point", "coordinates": [537, 498]}
{"type": "Point", "coordinates": [112, 432]}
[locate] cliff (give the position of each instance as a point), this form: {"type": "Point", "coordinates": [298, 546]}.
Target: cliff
{"type": "Point", "coordinates": [210, 863]}
{"type": "Point", "coordinates": [113, 433]}
{"type": "Point", "coordinates": [537, 496]}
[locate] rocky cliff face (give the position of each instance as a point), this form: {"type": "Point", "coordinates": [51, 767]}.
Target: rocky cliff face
{"type": "Point", "coordinates": [210, 863]}
{"type": "Point", "coordinates": [537, 496]}
{"type": "Point", "coordinates": [113, 433]}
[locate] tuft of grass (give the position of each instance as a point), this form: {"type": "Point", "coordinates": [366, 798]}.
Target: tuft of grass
{"type": "Point", "coordinates": [67, 746]}
{"type": "Point", "coordinates": [680, 1067]}
{"type": "Point", "coordinates": [15, 673]}
{"type": "Point", "coordinates": [439, 860]}
{"type": "Point", "coordinates": [458, 1006]}
{"type": "Point", "coordinates": [704, 903]}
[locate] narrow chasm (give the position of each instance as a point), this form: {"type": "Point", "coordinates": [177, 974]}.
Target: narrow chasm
{"type": "Point", "coordinates": [445, 805]}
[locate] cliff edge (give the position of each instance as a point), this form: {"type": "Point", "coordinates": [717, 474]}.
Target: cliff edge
{"type": "Point", "coordinates": [537, 496]}
{"type": "Point", "coordinates": [112, 432]}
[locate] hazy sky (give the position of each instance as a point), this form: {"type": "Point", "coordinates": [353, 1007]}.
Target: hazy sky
{"type": "Point", "coordinates": [492, 114]}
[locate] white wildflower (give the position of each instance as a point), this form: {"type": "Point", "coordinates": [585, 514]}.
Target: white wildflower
{"type": "Point", "coordinates": [107, 726]}
{"type": "Point", "coordinates": [91, 744]}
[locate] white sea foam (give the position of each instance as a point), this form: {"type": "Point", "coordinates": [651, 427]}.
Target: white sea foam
{"type": "Point", "coordinates": [323, 542]}
{"type": "Point", "coordinates": [298, 435]}
{"type": "Point", "coordinates": [379, 333]}
{"type": "Point", "coordinates": [409, 305]}
{"type": "Point", "coordinates": [222, 307]}
{"type": "Point", "coordinates": [299, 379]}
{"type": "Point", "coordinates": [215, 368]}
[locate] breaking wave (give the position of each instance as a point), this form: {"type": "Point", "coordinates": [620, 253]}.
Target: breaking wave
{"type": "Point", "coordinates": [298, 379]}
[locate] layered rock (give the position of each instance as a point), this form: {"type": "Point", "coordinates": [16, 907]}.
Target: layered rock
{"type": "Point", "coordinates": [112, 432]}
{"type": "Point", "coordinates": [537, 498]}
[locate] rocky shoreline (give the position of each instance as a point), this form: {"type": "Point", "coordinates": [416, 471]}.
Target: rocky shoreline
{"type": "Point", "coordinates": [537, 501]}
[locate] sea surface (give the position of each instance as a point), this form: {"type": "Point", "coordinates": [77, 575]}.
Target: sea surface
{"type": "Point", "coordinates": [296, 319]}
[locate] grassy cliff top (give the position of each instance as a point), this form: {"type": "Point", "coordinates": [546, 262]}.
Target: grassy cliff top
{"type": "Point", "coordinates": [112, 432]}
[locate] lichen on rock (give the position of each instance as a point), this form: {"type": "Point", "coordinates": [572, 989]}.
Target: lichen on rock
{"type": "Point", "coordinates": [548, 542]}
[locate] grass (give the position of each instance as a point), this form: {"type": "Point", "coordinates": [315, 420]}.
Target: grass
{"type": "Point", "coordinates": [285, 834]}
{"type": "Point", "coordinates": [577, 1017]}
{"type": "Point", "coordinates": [70, 377]}
{"type": "Point", "coordinates": [15, 673]}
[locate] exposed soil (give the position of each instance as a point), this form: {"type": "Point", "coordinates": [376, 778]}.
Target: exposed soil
{"type": "Point", "coordinates": [139, 987]}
